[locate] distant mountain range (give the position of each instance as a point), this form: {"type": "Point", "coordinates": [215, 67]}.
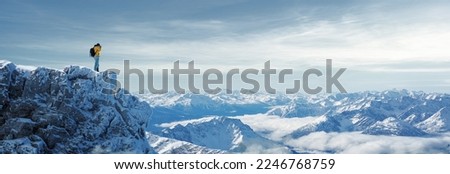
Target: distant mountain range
{"type": "Point", "coordinates": [407, 110]}
{"type": "Point", "coordinates": [388, 113]}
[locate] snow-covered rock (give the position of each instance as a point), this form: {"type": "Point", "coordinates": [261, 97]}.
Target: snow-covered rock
{"type": "Point", "coordinates": [45, 110]}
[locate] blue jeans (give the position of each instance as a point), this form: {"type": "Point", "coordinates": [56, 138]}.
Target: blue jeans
{"type": "Point", "coordinates": [96, 65]}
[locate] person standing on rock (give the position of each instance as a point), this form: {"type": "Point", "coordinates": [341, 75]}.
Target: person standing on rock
{"type": "Point", "coordinates": [95, 53]}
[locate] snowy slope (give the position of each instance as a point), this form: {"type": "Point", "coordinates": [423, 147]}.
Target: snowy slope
{"type": "Point", "coordinates": [319, 124]}
{"type": "Point", "coordinates": [222, 133]}
{"type": "Point", "coordinates": [393, 126]}
{"type": "Point", "coordinates": [438, 122]}
{"type": "Point", "coordinates": [163, 145]}
{"type": "Point", "coordinates": [51, 111]}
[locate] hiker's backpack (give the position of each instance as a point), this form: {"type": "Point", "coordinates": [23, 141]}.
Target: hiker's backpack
{"type": "Point", "coordinates": [92, 52]}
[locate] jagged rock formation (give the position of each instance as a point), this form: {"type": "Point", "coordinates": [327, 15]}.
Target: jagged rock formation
{"type": "Point", "coordinates": [45, 110]}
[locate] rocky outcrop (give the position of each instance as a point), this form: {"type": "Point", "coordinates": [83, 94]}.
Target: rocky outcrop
{"type": "Point", "coordinates": [71, 111]}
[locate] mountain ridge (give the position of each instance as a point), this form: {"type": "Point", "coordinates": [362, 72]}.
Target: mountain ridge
{"type": "Point", "coordinates": [350, 111]}
{"type": "Point", "coordinates": [45, 110]}
{"type": "Point", "coordinates": [222, 133]}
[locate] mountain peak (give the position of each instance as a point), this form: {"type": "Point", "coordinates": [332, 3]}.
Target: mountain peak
{"type": "Point", "coordinates": [46, 110]}
{"type": "Point", "coordinates": [393, 126]}
{"type": "Point", "coordinates": [438, 122]}
{"type": "Point", "coordinates": [222, 133]}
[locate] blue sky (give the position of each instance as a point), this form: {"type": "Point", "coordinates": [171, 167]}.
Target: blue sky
{"type": "Point", "coordinates": [383, 44]}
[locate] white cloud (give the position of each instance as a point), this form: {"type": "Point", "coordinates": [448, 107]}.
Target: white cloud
{"type": "Point", "coordinates": [371, 35]}
{"type": "Point", "coordinates": [269, 125]}
{"type": "Point", "coordinates": [277, 129]}
{"type": "Point", "coordinates": [356, 143]}
{"type": "Point", "coordinates": [349, 41]}
{"type": "Point", "coordinates": [362, 36]}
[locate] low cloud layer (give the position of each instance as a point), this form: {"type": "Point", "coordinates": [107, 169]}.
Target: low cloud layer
{"type": "Point", "coordinates": [277, 129]}
{"type": "Point", "coordinates": [269, 125]}
{"type": "Point", "coordinates": [356, 143]}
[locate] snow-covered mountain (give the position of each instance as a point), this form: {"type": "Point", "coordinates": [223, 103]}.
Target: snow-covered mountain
{"type": "Point", "coordinates": [163, 145]}
{"type": "Point", "coordinates": [45, 110]}
{"type": "Point", "coordinates": [438, 122]}
{"type": "Point", "coordinates": [393, 126]}
{"type": "Point", "coordinates": [222, 133]}
{"type": "Point", "coordinates": [176, 107]}
{"type": "Point", "coordinates": [321, 123]}
{"type": "Point", "coordinates": [343, 112]}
